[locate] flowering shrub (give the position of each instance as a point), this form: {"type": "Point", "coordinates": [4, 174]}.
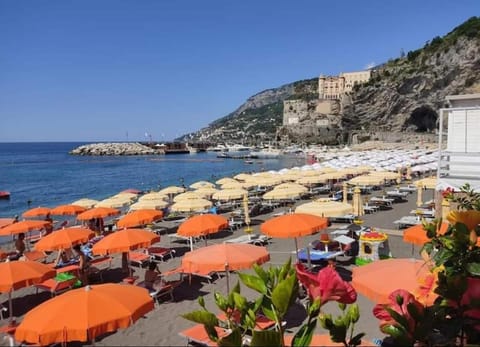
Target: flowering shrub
{"type": "Point", "coordinates": [454, 317]}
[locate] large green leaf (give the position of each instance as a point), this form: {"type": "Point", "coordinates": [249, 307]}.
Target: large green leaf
{"type": "Point", "coordinates": [474, 269]}
{"type": "Point", "coordinates": [303, 337]}
{"type": "Point", "coordinates": [240, 302]}
{"type": "Point", "coordinates": [284, 294]}
{"type": "Point", "coordinates": [202, 317]}
{"type": "Point", "coordinates": [234, 339]}
{"type": "Point", "coordinates": [261, 273]}
{"type": "Point", "coordinates": [398, 317]}
{"type": "Point", "coordinates": [265, 338]}
{"type": "Point", "coordinates": [253, 282]}
{"type": "Point", "coordinates": [267, 309]}
{"type": "Point", "coordinates": [221, 301]}
{"type": "Point", "coordinates": [356, 340]}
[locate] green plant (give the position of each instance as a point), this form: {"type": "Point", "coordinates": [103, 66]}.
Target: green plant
{"type": "Point", "coordinates": [279, 288]}
{"type": "Point", "coordinates": [454, 255]}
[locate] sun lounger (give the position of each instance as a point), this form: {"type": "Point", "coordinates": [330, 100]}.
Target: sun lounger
{"type": "Point", "coordinates": [198, 336]}
{"type": "Point", "coordinates": [160, 252]}
{"type": "Point", "coordinates": [99, 265]}
{"type": "Point", "coordinates": [55, 286]}
{"type": "Point", "coordinates": [139, 259]}
{"type": "Point", "coordinates": [255, 239]}
{"type": "Point", "coordinates": [166, 290]}
{"type": "Point", "coordinates": [35, 256]}
{"type": "Point", "coordinates": [318, 255]}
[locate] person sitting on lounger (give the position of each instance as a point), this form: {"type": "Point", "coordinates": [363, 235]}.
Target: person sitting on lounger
{"type": "Point", "coordinates": [83, 264]}
{"type": "Point", "coordinates": [19, 248]}
{"type": "Point", "coordinates": [153, 277]}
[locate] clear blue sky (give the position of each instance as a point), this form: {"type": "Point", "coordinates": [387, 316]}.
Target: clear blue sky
{"type": "Point", "coordinates": [93, 70]}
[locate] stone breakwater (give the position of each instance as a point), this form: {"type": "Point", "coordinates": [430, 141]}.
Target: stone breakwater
{"type": "Point", "coordinates": [119, 148]}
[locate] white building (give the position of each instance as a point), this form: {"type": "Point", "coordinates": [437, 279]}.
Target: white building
{"type": "Point", "coordinates": [459, 143]}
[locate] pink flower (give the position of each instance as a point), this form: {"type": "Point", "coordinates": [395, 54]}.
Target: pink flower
{"type": "Point", "coordinates": [399, 300]}
{"type": "Point", "coordinates": [326, 285]}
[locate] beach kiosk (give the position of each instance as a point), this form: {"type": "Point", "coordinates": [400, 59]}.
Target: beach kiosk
{"type": "Point", "coordinates": [369, 246]}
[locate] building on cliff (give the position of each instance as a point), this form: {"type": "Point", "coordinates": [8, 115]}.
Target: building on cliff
{"type": "Point", "coordinates": [333, 87]}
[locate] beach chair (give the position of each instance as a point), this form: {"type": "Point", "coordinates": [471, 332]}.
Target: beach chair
{"type": "Point", "coordinates": [99, 265]}
{"type": "Point", "coordinates": [35, 256]}
{"type": "Point", "coordinates": [197, 335]}
{"type": "Point", "coordinates": [140, 259]}
{"type": "Point", "coordinates": [160, 253]}
{"type": "Point", "coordinates": [166, 290]}
{"type": "Point", "coordinates": [56, 287]}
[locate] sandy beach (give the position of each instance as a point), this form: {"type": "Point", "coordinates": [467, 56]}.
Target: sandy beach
{"type": "Point", "coordinates": [161, 326]}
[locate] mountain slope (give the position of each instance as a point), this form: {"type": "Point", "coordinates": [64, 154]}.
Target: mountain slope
{"type": "Point", "coordinates": [403, 95]}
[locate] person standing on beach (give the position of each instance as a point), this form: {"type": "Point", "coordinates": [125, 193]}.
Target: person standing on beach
{"type": "Point", "coordinates": [82, 265]}
{"type": "Point", "coordinates": [48, 228]}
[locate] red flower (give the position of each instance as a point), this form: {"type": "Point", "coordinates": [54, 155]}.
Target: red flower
{"type": "Point", "coordinates": [326, 285]}
{"type": "Point", "coordinates": [399, 299]}
{"type": "Point", "coordinates": [471, 295]}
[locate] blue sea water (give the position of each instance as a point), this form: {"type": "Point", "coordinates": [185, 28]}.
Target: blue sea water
{"type": "Point", "coordinates": [44, 174]}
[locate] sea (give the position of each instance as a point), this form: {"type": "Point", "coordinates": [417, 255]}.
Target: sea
{"type": "Point", "coordinates": [45, 174]}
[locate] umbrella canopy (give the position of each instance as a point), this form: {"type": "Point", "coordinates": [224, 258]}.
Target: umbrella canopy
{"type": "Point", "coordinates": [124, 241]}
{"type": "Point", "coordinates": [225, 180]}
{"type": "Point", "coordinates": [153, 196]}
{"type": "Point", "coordinates": [191, 205]}
{"type": "Point", "coordinates": [6, 221]}
{"type": "Point", "coordinates": [148, 205]}
{"type": "Point", "coordinates": [172, 190]}
{"type": "Point", "coordinates": [367, 180]}
{"type": "Point", "coordinates": [187, 195]}
{"type": "Point", "coordinates": [279, 194]}
{"type": "Point", "coordinates": [292, 185]}
{"type": "Point", "coordinates": [235, 256]}
{"type": "Point", "coordinates": [234, 185]}
{"type": "Point", "coordinates": [229, 194]}
{"type": "Point", "coordinates": [67, 210]}
{"type": "Point", "coordinates": [139, 217]}
{"type": "Point", "coordinates": [203, 224]}
{"type": "Point", "coordinates": [115, 202]}
{"type": "Point", "coordinates": [418, 236]}
{"type": "Point", "coordinates": [378, 279]}
{"type": "Point", "coordinates": [18, 274]}
{"type": "Point", "coordinates": [85, 202]}
{"type": "Point", "coordinates": [24, 226]}
{"type": "Point", "coordinates": [63, 239]}
{"type": "Point", "coordinates": [36, 212]}
{"type": "Point", "coordinates": [242, 176]}
{"type": "Point", "coordinates": [98, 212]}
{"type": "Point", "coordinates": [206, 192]}
{"type": "Point", "coordinates": [293, 225]}
{"type": "Point", "coordinates": [202, 184]}
{"type": "Point", "coordinates": [325, 208]}
{"type": "Point", "coordinates": [85, 313]}
{"type": "Point", "coordinates": [427, 183]}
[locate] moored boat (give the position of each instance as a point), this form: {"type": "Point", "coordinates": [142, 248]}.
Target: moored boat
{"type": "Point", "coordinates": [4, 195]}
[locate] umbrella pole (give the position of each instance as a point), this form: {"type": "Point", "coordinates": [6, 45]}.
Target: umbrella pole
{"type": "Point", "coordinates": [10, 305]}
{"type": "Point", "coordinates": [228, 278]}
{"type": "Point", "coordinates": [191, 243]}
{"type": "Point", "coordinates": [296, 247]}
{"type": "Point", "coordinates": [309, 262]}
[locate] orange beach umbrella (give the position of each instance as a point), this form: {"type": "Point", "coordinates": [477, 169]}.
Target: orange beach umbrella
{"type": "Point", "coordinates": [98, 212]}
{"type": "Point", "coordinates": [418, 236]}
{"type": "Point", "coordinates": [378, 279]}
{"type": "Point", "coordinates": [224, 257]}
{"type": "Point", "coordinates": [67, 210]}
{"type": "Point", "coordinates": [125, 240]}
{"type": "Point", "coordinates": [139, 217]}
{"type": "Point", "coordinates": [294, 225]}
{"type": "Point", "coordinates": [18, 274]}
{"type": "Point", "coordinates": [85, 313]}
{"type": "Point", "coordinates": [23, 227]}
{"type": "Point", "coordinates": [201, 225]}
{"type": "Point", "coordinates": [36, 212]}
{"type": "Point", "coordinates": [6, 221]}
{"type": "Point", "coordinates": [63, 239]}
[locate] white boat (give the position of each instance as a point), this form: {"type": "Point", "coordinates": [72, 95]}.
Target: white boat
{"type": "Point", "coordinates": [218, 148]}
{"type": "Point", "coordinates": [266, 153]}
{"type": "Point", "coordinates": [237, 148]}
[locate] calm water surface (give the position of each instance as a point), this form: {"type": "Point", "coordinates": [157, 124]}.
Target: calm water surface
{"type": "Point", "coordinates": [44, 174]}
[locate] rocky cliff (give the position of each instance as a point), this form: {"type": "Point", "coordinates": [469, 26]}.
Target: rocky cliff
{"type": "Point", "coordinates": [402, 97]}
